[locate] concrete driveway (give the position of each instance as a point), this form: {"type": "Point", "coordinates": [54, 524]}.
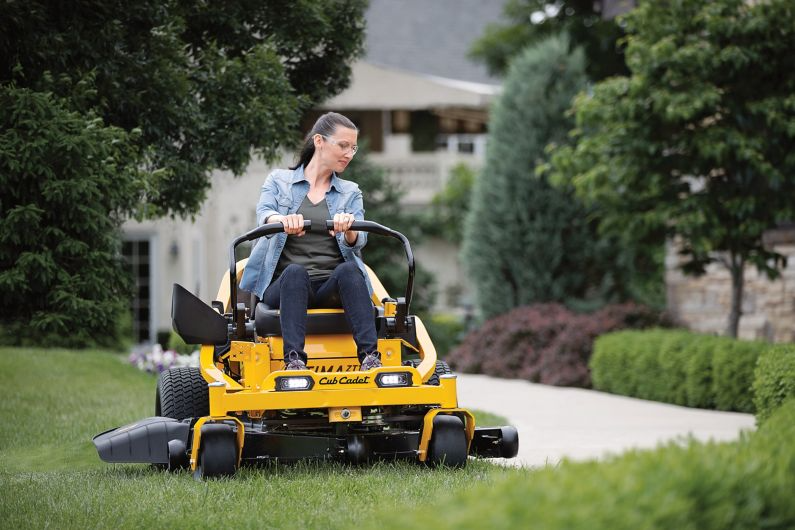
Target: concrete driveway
{"type": "Point", "coordinates": [579, 424]}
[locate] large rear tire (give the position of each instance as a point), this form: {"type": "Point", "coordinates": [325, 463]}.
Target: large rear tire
{"type": "Point", "coordinates": [182, 393]}
{"type": "Point", "coordinates": [442, 368]}
{"type": "Point", "coordinates": [448, 446]}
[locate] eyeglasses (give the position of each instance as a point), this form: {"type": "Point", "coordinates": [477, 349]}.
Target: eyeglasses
{"type": "Point", "coordinates": [345, 146]}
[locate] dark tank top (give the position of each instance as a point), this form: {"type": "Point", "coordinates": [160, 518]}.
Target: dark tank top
{"type": "Point", "coordinates": [316, 250]}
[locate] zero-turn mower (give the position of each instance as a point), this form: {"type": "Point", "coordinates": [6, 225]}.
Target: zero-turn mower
{"type": "Point", "coordinates": [241, 407]}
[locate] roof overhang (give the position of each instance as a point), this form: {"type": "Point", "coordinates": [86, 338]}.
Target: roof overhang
{"type": "Point", "coordinates": [379, 87]}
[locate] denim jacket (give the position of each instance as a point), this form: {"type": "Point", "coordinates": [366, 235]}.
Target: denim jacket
{"type": "Point", "coordinates": [283, 192]}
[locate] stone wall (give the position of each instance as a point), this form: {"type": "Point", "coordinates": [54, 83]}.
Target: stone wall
{"type": "Point", "coordinates": [702, 303]}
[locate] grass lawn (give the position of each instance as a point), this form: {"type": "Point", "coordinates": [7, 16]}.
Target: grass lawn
{"type": "Point", "coordinates": [52, 402]}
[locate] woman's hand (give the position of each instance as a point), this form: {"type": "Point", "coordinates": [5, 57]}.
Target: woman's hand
{"type": "Point", "coordinates": [342, 224]}
{"type": "Point", "coordinates": [293, 223]}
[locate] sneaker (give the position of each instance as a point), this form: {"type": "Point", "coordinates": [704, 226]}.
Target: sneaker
{"type": "Point", "coordinates": [294, 362]}
{"type": "Point", "coordinates": [370, 361]}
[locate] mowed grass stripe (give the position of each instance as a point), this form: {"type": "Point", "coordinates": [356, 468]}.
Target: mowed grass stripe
{"type": "Point", "coordinates": [54, 401]}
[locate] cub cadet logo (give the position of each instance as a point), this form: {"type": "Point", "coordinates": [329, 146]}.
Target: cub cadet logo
{"type": "Point", "coordinates": [344, 380]}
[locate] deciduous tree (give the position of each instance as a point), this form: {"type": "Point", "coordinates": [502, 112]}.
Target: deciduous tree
{"type": "Point", "coordinates": [699, 140]}
{"type": "Point", "coordinates": [207, 83]}
{"type": "Point", "coordinates": [111, 109]}
{"type": "Point", "coordinates": [529, 21]}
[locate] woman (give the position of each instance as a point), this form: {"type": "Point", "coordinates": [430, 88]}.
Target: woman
{"type": "Point", "coordinates": [296, 269]}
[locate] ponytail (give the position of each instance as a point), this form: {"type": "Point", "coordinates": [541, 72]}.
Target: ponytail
{"type": "Point", "coordinates": [326, 125]}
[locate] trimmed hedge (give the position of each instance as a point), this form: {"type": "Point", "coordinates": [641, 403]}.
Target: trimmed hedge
{"type": "Point", "coordinates": [676, 366]}
{"type": "Point", "coordinates": [774, 380]}
{"type": "Point", "coordinates": [704, 486]}
{"type": "Point", "coordinates": [544, 343]}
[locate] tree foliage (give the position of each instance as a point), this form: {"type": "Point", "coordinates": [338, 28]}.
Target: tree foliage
{"type": "Point", "coordinates": [67, 181]}
{"type": "Point", "coordinates": [530, 21]}
{"type": "Point", "coordinates": [449, 207]}
{"type": "Point", "coordinates": [698, 141]}
{"type": "Point", "coordinates": [112, 109]}
{"type": "Point", "coordinates": [207, 83]}
{"type": "Point", "coordinates": [524, 240]}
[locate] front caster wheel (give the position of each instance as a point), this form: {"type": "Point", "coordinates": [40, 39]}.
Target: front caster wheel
{"type": "Point", "coordinates": [218, 452]}
{"type": "Point", "coordinates": [177, 455]}
{"type": "Point", "coordinates": [448, 446]}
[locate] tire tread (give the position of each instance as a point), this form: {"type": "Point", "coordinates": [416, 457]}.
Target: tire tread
{"type": "Point", "coordinates": [182, 393]}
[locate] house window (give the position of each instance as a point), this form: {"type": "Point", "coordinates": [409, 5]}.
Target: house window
{"type": "Point", "coordinates": [137, 257]}
{"type": "Point", "coordinates": [473, 144]}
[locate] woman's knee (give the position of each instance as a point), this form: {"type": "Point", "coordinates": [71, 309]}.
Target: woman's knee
{"type": "Point", "coordinates": [348, 268]}
{"type": "Point", "coordinates": [295, 272]}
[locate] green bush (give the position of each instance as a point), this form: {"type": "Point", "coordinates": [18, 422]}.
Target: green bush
{"type": "Point", "coordinates": [733, 374]}
{"type": "Point", "coordinates": [738, 485]}
{"type": "Point", "coordinates": [698, 373]}
{"type": "Point", "coordinates": [610, 354]}
{"type": "Point", "coordinates": [675, 350]}
{"type": "Point", "coordinates": [176, 343]}
{"type": "Point", "coordinates": [676, 366]}
{"type": "Point", "coordinates": [774, 380]}
{"type": "Point", "coordinates": [446, 332]}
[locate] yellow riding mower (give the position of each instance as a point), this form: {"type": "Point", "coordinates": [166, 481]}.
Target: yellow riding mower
{"type": "Point", "coordinates": [241, 407]}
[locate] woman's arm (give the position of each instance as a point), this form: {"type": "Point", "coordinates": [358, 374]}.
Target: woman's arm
{"type": "Point", "coordinates": [353, 238]}
{"type": "Point", "coordinates": [267, 206]}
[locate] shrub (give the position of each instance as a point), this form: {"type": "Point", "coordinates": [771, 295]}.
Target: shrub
{"type": "Point", "coordinates": [774, 380]}
{"type": "Point", "coordinates": [677, 367]}
{"type": "Point", "coordinates": [698, 372]}
{"type": "Point", "coordinates": [543, 343]}
{"type": "Point", "coordinates": [646, 364]}
{"type": "Point", "coordinates": [733, 374]}
{"type": "Point", "coordinates": [709, 486]}
{"type": "Point", "coordinates": [445, 331]}
{"type": "Point", "coordinates": [609, 353]}
{"type": "Point", "coordinates": [175, 343]}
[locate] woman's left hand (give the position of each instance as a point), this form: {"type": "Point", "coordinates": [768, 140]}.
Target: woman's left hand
{"type": "Point", "coordinates": [342, 224]}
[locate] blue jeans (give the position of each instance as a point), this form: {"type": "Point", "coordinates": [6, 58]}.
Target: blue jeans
{"type": "Point", "coordinates": [293, 293]}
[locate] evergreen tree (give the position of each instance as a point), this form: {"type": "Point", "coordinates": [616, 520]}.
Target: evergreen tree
{"type": "Point", "coordinates": [526, 241]}
{"type": "Point", "coordinates": [67, 181]}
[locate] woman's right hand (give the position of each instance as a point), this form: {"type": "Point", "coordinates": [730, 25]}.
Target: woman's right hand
{"type": "Point", "coordinates": [293, 223]}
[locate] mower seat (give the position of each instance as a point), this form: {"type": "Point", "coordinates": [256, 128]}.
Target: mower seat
{"type": "Point", "coordinates": [266, 322]}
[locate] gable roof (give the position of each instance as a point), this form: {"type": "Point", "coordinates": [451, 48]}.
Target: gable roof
{"type": "Point", "coordinates": [378, 87]}
{"type": "Point", "coordinates": [431, 37]}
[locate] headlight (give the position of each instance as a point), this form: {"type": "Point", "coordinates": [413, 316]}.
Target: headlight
{"type": "Point", "coordinates": [393, 379]}
{"type": "Point", "coordinates": [301, 382]}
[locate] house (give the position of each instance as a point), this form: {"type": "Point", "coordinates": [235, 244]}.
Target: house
{"type": "Point", "coordinates": [421, 104]}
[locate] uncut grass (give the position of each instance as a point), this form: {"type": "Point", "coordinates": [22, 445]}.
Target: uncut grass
{"type": "Point", "coordinates": [55, 401]}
